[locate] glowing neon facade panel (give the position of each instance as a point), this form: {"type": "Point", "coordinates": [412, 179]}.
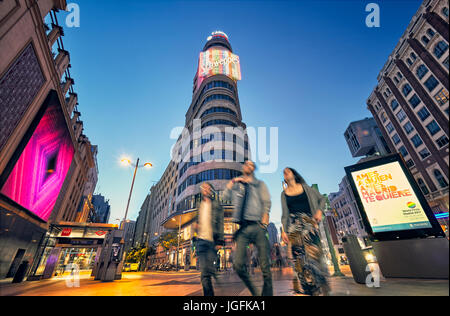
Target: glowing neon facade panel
{"type": "Point", "coordinates": [219, 62]}
{"type": "Point", "coordinates": [40, 171]}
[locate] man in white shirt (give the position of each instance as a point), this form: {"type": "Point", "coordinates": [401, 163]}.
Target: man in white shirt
{"type": "Point", "coordinates": [210, 235]}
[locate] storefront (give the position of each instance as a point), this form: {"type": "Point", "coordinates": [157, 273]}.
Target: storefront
{"type": "Point", "coordinates": [71, 246]}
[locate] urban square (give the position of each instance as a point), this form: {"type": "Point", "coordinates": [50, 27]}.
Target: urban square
{"type": "Point", "coordinates": [312, 158]}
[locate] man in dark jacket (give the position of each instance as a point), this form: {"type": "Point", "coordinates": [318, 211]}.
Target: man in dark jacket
{"type": "Point", "coordinates": [251, 201]}
{"type": "Point", "coordinates": [210, 235]}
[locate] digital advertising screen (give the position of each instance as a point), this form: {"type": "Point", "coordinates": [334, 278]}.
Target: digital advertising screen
{"type": "Point", "coordinates": [216, 61]}
{"type": "Point", "coordinates": [389, 199]}
{"type": "Point", "coordinates": [39, 173]}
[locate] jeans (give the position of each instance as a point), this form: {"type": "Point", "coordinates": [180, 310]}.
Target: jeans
{"type": "Point", "coordinates": [255, 234]}
{"type": "Point", "coordinates": [206, 256]}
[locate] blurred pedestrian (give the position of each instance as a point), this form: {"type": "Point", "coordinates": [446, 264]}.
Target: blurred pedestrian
{"type": "Point", "coordinates": [210, 235]}
{"type": "Point", "coordinates": [251, 200]}
{"type": "Point", "coordinates": [302, 212]}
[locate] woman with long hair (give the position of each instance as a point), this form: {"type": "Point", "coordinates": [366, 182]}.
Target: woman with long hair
{"type": "Point", "coordinates": [302, 208]}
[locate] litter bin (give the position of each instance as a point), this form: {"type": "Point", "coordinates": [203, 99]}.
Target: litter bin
{"type": "Point", "coordinates": [356, 260]}
{"type": "Point", "coordinates": [21, 271]}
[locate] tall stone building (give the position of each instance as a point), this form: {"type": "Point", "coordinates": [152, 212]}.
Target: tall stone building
{"type": "Point", "coordinates": [212, 148]}
{"type": "Point", "coordinates": [44, 155]}
{"type": "Point", "coordinates": [411, 101]}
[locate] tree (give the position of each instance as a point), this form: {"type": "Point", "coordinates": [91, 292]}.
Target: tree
{"type": "Point", "coordinates": [169, 240]}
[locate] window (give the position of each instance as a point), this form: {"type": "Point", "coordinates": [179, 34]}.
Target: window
{"type": "Point", "coordinates": [401, 115]}
{"type": "Point", "coordinates": [433, 128]}
{"type": "Point", "coordinates": [445, 63]}
{"type": "Point", "coordinates": [399, 75]}
{"type": "Point", "coordinates": [383, 117]}
{"type": "Point", "coordinates": [409, 61]}
{"type": "Point", "coordinates": [388, 91]}
{"type": "Point", "coordinates": [441, 97]}
{"type": "Point", "coordinates": [403, 151]}
{"type": "Point", "coordinates": [421, 71]}
{"type": "Point", "coordinates": [408, 128]}
{"type": "Point", "coordinates": [410, 163]}
{"type": "Point", "coordinates": [416, 140]}
{"type": "Point", "coordinates": [396, 80]}
{"type": "Point", "coordinates": [424, 153]}
{"type": "Point", "coordinates": [445, 11]}
{"type": "Point", "coordinates": [425, 40]}
{"type": "Point", "coordinates": [390, 128]}
{"type": "Point", "coordinates": [431, 83]}
{"type": "Point", "coordinates": [219, 122]}
{"type": "Point", "coordinates": [396, 139]}
{"type": "Point", "coordinates": [423, 114]}
{"type": "Point", "coordinates": [394, 105]}
{"type": "Point", "coordinates": [423, 186]}
{"type": "Point", "coordinates": [430, 33]}
{"type": "Point", "coordinates": [406, 89]}
{"type": "Point", "coordinates": [440, 49]}
{"type": "Point", "coordinates": [442, 141]}
{"type": "Point", "coordinates": [414, 101]}
{"type": "Point", "coordinates": [218, 110]}
{"type": "Point", "coordinates": [440, 179]}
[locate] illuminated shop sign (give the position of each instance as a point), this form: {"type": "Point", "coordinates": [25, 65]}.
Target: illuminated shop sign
{"type": "Point", "coordinates": [39, 173]}
{"type": "Point", "coordinates": [217, 61]}
{"type": "Point", "coordinates": [389, 200]}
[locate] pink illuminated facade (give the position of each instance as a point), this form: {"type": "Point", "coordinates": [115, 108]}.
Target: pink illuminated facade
{"type": "Point", "coordinates": [38, 175]}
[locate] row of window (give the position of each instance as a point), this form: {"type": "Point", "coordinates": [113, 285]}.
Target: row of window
{"type": "Point", "coordinates": [218, 96]}
{"type": "Point", "coordinates": [218, 84]}
{"type": "Point", "coordinates": [224, 155]}
{"type": "Point", "coordinates": [218, 110]}
{"type": "Point", "coordinates": [193, 201]}
{"type": "Point", "coordinates": [439, 178]}
{"type": "Point", "coordinates": [219, 122]}
{"type": "Point", "coordinates": [208, 175]}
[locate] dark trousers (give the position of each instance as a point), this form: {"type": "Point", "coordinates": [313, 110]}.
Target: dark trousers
{"type": "Point", "coordinates": [206, 256]}
{"type": "Point", "coordinates": [253, 234]}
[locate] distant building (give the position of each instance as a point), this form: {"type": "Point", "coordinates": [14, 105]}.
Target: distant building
{"type": "Point", "coordinates": [347, 217]}
{"type": "Point", "coordinates": [273, 234]}
{"type": "Point", "coordinates": [129, 227]}
{"type": "Point", "coordinates": [364, 138]}
{"type": "Point", "coordinates": [141, 234]}
{"type": "Point", "coordinates": [102, 208]}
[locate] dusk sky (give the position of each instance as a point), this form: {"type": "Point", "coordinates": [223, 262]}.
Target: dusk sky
{"type": "Point", "coordinates": [308, 68]}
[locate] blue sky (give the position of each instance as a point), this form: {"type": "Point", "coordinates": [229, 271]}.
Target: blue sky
{"type": "Point", "coordinates": [308, 68]}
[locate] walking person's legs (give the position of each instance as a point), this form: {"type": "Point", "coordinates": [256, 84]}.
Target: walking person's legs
{"type": "Point", "coordinates": [240, 260]}
{"type": "Point", "coordinates": [262, 244]}
{"type": "Point", "coordinates": [206, 255]}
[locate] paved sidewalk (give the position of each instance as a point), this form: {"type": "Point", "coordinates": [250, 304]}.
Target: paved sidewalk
{"type": "Point", "coordinates": [228, 284]}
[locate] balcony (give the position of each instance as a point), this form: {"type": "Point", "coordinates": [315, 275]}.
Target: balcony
{"type": "Point", "coordinates": [71, 101]}
{"type": "Point", "coordinates": [62, 61]}
{"type": "Point", "coordinates": [54, 34]}
{"type": "Point", "coordinates": [66, 85]}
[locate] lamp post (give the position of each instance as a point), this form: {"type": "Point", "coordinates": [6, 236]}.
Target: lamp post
{"type": "Point", "coordinates": [127, 162]}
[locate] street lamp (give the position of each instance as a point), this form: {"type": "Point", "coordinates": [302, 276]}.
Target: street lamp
{"type": "Point", "coordinates": [127, 162]}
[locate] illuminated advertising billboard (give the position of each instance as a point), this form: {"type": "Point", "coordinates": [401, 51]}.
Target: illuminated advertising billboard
{"type": "Point", "coordinates": [389, 197]}
{"type": "Point", "coordinates": [37, 176]}
{"type": "Point", "coordinates": [216, 61]}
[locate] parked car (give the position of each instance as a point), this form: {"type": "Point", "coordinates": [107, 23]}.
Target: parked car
{"type": "Point", "coordinates": [130, 267]}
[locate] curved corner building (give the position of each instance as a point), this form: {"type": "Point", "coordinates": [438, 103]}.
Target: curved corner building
{"type": "Point", "coordinates": [216, 145]}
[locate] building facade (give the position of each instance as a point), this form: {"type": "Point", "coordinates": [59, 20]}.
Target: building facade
{"type": "Point", "coordinates": [102, 209]}
{"type": "Point", "coordinates": [410, 102]}
{"type": "Point", "coordinates": [347, 217]}
{"type": "Point", "coordinates": [364, 138]}
{"type": "Point", "coordinates": [44, 154]}
{"type": "Point", "coordinates": [212, 148]}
